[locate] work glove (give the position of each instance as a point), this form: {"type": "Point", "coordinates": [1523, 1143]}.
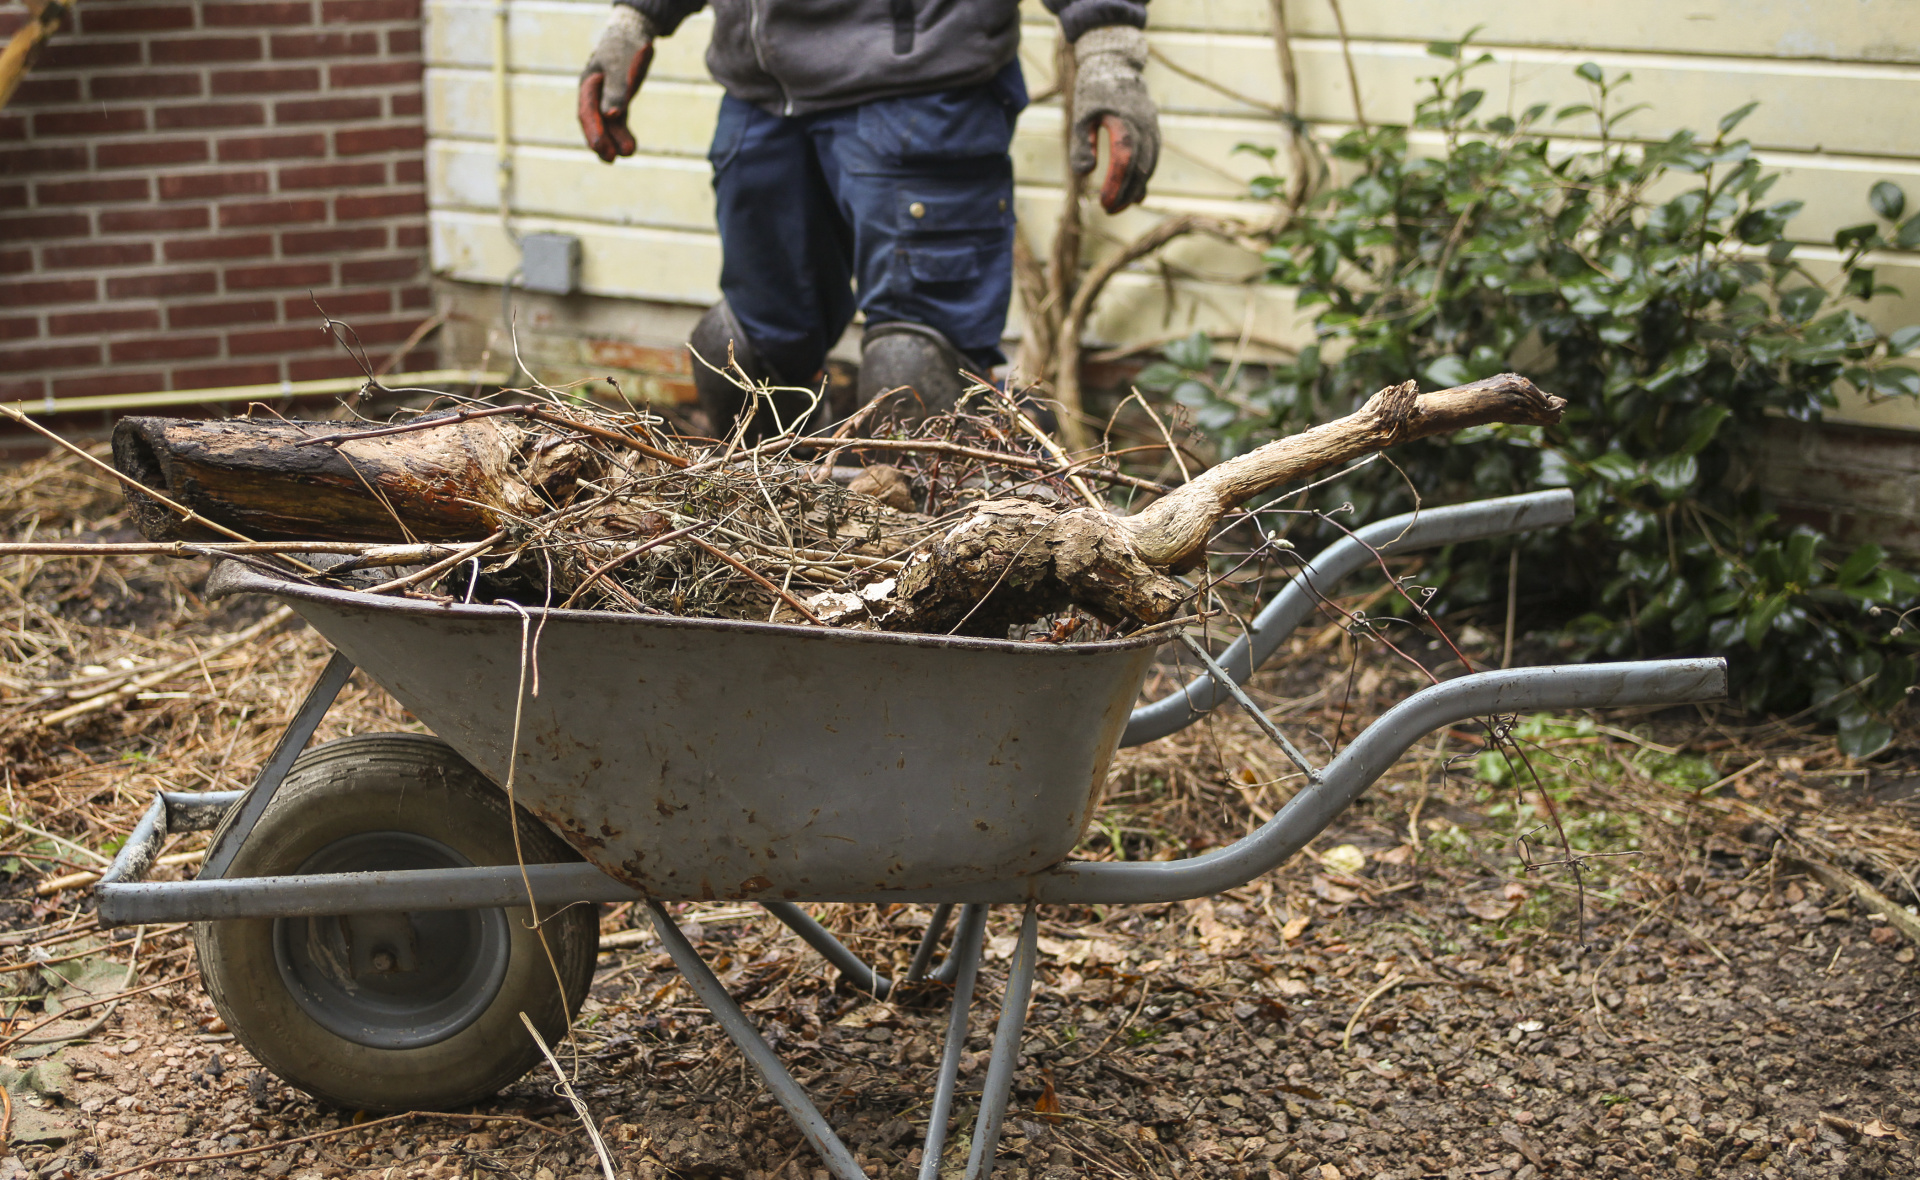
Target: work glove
{"type": "Point", "coordinates": [1109, 93]}
{"type": "Point", "coordinates": [612, 76]}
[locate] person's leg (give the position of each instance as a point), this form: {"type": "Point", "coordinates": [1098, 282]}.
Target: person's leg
{"type": "Point", "coordinates": [786, 259]}
{"type": "Point", "coordinates": [927, 185]}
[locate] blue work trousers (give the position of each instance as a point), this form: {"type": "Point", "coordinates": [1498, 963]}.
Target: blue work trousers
{"type": "Point", "coordinates": [900, 207]}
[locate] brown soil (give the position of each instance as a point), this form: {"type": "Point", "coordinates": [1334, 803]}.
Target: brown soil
{"type": "Point", "coordinates": [1420, 995]}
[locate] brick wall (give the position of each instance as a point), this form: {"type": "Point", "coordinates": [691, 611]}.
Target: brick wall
{"type": "Point", "coordinates": [177, 175]}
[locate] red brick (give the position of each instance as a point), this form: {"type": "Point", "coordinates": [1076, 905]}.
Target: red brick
{"type": "Point", "coordinates": [79, 323]}
{"type": "Point", "coordinates": [27, 161]}
{"type": "Point", "coordinates": [87, 54]}
{"type": "Point", "coordinates": [202, 50]}
{"type": "Point", "coordinates": [294, 46]}
{"type": "Point", "coordinates": [278, 340]}
{"type": "Point", "coordinates": [323, 368]}
{"type": "Point", "coordinates": [403, 42]}
{"type": "Point", "coordinates": [237, 16]}
{"type": "Point", "coordinates": [96, 254]}
{"type": "Point", "coordinates": [334, 241]}
{"type": "Point", "coordinates": [135, 18]}
{"type": "Point", "coordinates": [106, 384]}
{"type": "Point", "coordinates": [165, 217]}
{"type": "Point", "coordinates": [226, 246]}
{"type": "Point", "coordinates": [385, 73]}
{"type": "Point", "coordinates": [16, 262]}
{"type": "Point", "coordinates": [381, 270]}
{"type": "Point", "coordinates": [195, 185]}
{"type": "Point", "coordinates": [211, 114]}
{"type": "Point", "coordinates": [369, 11]}
{"type": "Point", "coordinates": [52, 356]}
{"type": "Point", "coordinates": [412, 171]}
{"type": "Point", "coordinates": [163, 285]}
{"type": "Point", "coordinates": [380, 205]}
{"type": "Point", "coordinates": [146, 153]}
{"type": "Point", "coordinates": [339, 303]}
{"type": "Point", "coordinates": [409, 237]}
{"type": "Point", "coordinates": [407, 105]}
{"type": "Point", "coordinates": [164, 348]}
{"type": "Point", "coordinates": [48, 291]}
{"type": "Point", "coordinates": [144, 86]}
{"type": "Point", "coordinates": [46, 91]}
{"type": "Point", "coordinates": [273, 147]}
{"type": "Point", "coordinates": [13, 196]}
{"type": "Point", "coordinates": [362, 141]}
{"type": "Point", "coordinates": [272, 213]}
{"type": "Point", "coordinates": [320, 110]}
{"type": "Point", "coordinates": [26, 389]}
{"type": "Point", "coordinates": [391, 332]}
{"type": "Point", "coordinates": [101, 191]}
{"type": "Point", "coordinates": [221, 376]}
{"type": "Point", "coordinates": [45, 225]}
{"type": "Point", "coordinates": [420, 359]}
{"type": "Point", "coordinates": [284, 274]}
{"type": "Point", "coordinates": [272, 81]}
{"type": "Point", "coordinates": [24, 327]}
{"type": "Point", "coordinates": [208, 315]}
{"type": "Point", "coordinates": [416, 297]}
{"type": "Point", "coordinates": [333, 176]}
{"type": "Point", "coordinates": [13, 128]}
{"type": "Point", "coordinates": [89, 122]}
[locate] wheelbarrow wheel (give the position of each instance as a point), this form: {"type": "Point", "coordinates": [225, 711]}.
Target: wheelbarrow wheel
{"type": "Point", "coordinates": [400, 1011]}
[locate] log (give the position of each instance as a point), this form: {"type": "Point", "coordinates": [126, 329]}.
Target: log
{"type": "Point", "coordinates": [458, 482]}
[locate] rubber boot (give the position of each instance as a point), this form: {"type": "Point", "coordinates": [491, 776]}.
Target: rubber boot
{"type": "Point", "coordinates": [914, 365]}
{"type": "Point", "coordinates": [724, 401]}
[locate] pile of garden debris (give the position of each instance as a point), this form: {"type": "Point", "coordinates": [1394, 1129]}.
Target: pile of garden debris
{"type": "Point", "coordinates": [969, 522]}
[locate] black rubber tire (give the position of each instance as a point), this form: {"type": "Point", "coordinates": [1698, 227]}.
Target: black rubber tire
{"type": "Point", "coordinates": [413, 784]}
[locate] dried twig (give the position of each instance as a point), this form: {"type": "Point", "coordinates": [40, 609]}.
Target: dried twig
{"type": "Point", "coordinates": [566, 1089]}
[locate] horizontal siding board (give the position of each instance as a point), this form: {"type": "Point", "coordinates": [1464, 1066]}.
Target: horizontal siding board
{"type": "Point", "coordinates": [1839, 30]}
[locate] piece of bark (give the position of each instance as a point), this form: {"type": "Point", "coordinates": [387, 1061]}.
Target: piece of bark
{"type": "Point", "coordinates": [458, 482]}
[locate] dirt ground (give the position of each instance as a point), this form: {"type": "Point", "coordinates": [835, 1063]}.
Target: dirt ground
{"type": "Point", "coordinates": [1439, 987]}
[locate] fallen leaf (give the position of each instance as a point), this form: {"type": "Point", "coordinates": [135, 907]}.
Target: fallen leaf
{"type": "Point", "coordinates": [1515, 891]}
{"type": "Point", "coordinates": [1346, 859]}
{"type": "Point", "coordinates": [1048, 1104]}
{"type": "Point", "coordinates": [1490, 907]}
{"type": "Point", "coordinates": [1327, 891]}
{"type": "Point", "coordinates": [1291, 987]}
{"type": "Point", "coordinates": [1879, 1130]}
{"type": "Point", "coordinates": [1295, 927]}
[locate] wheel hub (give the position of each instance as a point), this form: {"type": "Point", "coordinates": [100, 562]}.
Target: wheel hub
{"type": "Point", "coordinates": [394, 980]}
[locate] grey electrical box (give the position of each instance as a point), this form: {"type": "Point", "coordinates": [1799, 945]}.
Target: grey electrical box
{"type": "Point", "coordinates": [550, 263]}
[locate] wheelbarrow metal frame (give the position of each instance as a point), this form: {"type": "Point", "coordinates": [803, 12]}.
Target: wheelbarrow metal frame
{"type": "Point", "coordinates": [124, 898]}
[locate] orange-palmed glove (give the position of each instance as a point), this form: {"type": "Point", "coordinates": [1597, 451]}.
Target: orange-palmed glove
{"type": "Point", "coordinates": [1109, 95]}
{"type": "Point", "coordinates": [612, 76]}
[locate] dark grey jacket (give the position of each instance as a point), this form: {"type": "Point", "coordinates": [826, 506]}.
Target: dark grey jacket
{"type": "Point", "coordinates": [792, 57]}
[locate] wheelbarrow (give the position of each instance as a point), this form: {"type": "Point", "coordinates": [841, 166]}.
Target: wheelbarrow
{"type": "Point", "coordinates": [365, 915]}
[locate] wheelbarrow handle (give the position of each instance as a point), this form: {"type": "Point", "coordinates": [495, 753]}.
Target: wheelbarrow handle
{"type": "Point", "coordinates": [1425, 529]}
{"type": "Point", "coordinates": [1306, 815]}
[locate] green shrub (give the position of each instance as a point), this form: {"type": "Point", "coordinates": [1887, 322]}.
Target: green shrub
{"type": "Point", "coordinates": [1653, 287]}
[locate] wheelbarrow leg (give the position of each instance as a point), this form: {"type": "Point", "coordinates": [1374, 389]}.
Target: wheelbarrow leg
{"type": "Point", "coordinates": [253, 804]}
{"type": "Point", "coordinates": [949, 970]}
{"type": "Point", "coordinates": [966, 954]}
{"type": "Point", "coordinates": [1006, 1049]}
{"type": "Point", "coordinates": [923, 955]}
{"type": "Point", "coordinates": [831, 949]}
{"type": "Point", "coordinates": [761, 1055]}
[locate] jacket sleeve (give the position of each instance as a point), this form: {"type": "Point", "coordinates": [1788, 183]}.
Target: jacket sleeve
{"type": "Point", "coordinates": [1078, 16]}
{"type": "Point", "coordinates": [665, 15]}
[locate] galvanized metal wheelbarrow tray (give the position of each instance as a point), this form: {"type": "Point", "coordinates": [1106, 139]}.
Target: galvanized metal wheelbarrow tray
{"type": "Point", "coordinates": [695, 759]}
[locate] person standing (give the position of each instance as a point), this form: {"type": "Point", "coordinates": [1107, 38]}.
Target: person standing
{"type": "Point", "coordinates": [860, 163]}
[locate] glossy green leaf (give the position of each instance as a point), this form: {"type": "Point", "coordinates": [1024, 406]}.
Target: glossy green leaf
{"type": "Point", "coordinates": [1887, 199]}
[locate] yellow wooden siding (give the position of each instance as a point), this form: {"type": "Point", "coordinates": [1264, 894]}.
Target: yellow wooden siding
{"type": "Point", "coordinates": [1835, 81]}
